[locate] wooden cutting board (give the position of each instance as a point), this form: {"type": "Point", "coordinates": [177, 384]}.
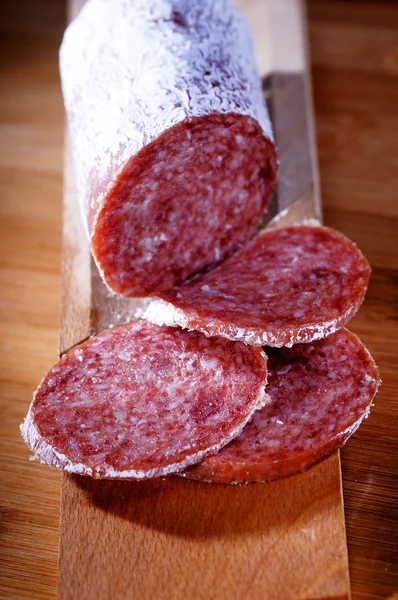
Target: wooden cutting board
{"type": "Point", "coordinates": [173, 538]}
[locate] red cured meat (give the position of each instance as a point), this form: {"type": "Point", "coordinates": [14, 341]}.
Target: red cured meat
{"type": "Point", "coordinates": [171, 137]}
{"type": "Point", "coordinates": [286, 286]}
{"type": "Point", "coordinates": [183, 202]}
{"type": "Point", "coordinates": [320, 392]}
{"type": "Point", "coordinates": [140, 401]}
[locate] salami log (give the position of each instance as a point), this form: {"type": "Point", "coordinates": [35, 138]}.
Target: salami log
{"type": "Point", "coordinates": [170, 135]}
{"type": "Point", "coordinates": [320, 392]}
{"type": "Point", "coordinates": [286, 286]}
{"type": "Point", "coordinates": [141, 401]}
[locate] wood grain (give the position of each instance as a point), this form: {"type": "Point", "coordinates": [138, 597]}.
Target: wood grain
{"type": "Point", "coordinates": [354, 53]}
{"type": "Point", "coordinates": [175, 539]}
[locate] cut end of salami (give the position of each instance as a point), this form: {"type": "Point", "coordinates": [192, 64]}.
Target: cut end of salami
{"type": "Point", "coordinates": [287, 286]}
{"type": "Point", "coordinates": [320, 392]}
{"type": "Point", "coordinates": [139, 401]}
{"type": "Point", "coordinates": [183, 202]}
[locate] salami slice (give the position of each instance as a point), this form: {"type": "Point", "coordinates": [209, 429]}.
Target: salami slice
{"type": "Point", "coordinates": [170, 134]}
{"type": "Point", "coordinates": [320, 392]}
{"type": "Point", "coordinates": [141, 401]}
{"type": "Point", "coordinates": [286, 286]}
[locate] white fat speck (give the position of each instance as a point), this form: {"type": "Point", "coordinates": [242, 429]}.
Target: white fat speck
{"type": "Point", "coordinates": [284, 370]}
{"type": "Point", "coordinates": [210, 364]}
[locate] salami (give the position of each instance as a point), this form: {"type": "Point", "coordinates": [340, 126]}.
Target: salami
{"type": "Point", "coordinates": [141, 401]}
{"type": "Point", "coordinates": [286, 286]}
{"type": "Point", "coordinates": [320, 392]}
{"type": "Point", "coordinates": [170, 134]}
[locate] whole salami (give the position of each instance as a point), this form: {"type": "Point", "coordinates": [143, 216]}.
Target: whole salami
{"type": "Point", "coordinates": [170, 135]}
{"type": "Point", "coordinates": [286, 286]}
{"type": "Point", "coordinates": [141, 401]}
{"type": "Point", "coordinates": [320, 392]}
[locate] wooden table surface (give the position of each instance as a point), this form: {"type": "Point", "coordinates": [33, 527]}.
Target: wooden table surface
{"type": "Point", "coordinates": [354, 50]}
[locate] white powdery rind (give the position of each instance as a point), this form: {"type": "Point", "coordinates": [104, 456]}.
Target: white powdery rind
{"type": "Point", "coordinates": [280, 220]}
{"type": "Point", "coordinates": [160, 312]}
{"type": "Point", "coordinates": [49, 455]}
{"type": "Point", "coordinates": [131, 69]}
